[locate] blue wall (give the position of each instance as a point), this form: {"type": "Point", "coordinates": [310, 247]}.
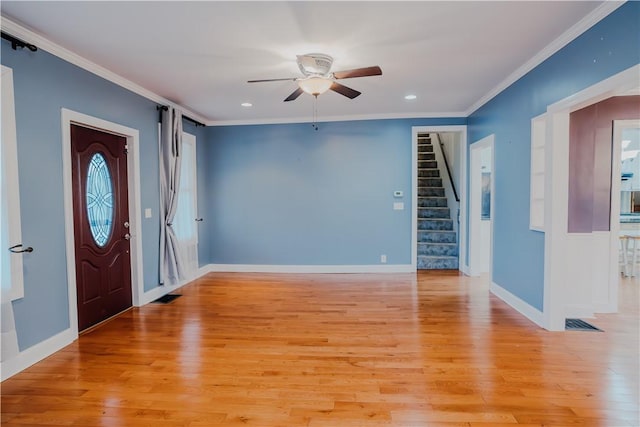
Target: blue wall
{"type": "Point", "coordinates": [609, 47]}
{"type": "Point", "coordinates": [289, 195]}
{"type": "Point", "coordinates": [43, 85]}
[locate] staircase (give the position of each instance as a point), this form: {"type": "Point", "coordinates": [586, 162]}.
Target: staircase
{"type": "Point", "coordinates": [437, 240]}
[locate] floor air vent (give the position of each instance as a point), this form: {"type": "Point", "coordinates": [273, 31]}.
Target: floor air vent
{"type": "Point", "coordinates": [579, 325]}
{"type": "Point", "coordinates": [166, 299]}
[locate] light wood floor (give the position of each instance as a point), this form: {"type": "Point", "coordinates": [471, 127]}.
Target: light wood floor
{"type": "Point", "coordinates": [335, 351]}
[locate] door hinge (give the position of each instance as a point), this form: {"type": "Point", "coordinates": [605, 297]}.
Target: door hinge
{"type": "Point", "coordinates": [126, 149]}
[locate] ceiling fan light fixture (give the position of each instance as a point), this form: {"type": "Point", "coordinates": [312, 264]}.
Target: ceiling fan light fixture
{"type": "Point", "coordinates": [315, 85]}
{"type": "Point", "coordinates": [317, 64]}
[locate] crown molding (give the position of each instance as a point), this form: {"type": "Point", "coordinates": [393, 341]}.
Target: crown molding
{"type": "Point", "coordinates": [21, 31]}
{"type": "Point", "coordinates": [567, 37]}
{"type": "Point", "coordinates": [28, 35]}
{"type": "Point", "coordinates": [342, 118]}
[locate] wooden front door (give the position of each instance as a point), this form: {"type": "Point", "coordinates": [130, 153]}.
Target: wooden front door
{"type": "Point", "coordinates": [101, 224]}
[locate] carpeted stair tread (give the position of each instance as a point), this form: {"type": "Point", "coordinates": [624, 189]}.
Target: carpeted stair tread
{"type": "Point", "coordinates": [437, 262]}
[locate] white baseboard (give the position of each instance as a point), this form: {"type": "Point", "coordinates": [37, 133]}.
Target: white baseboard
{"type": "Point", "coordinates": [465, 270]}
{"type": "Point", "coordinates": [608, 307]}
{"type": "Point", "coordinates": [310, 269]}
{"type": "Point", "coordinates": [36, 353]}
{"type": "Point", "coordinates": [576, 311]}
{"type": "Point", "coordinates": [205, 269]}
{"type": "Point", "coordinates": [162, 290]}
{"type": "Point", "coordinates": [158, 292]}
{"type": "Point", "coordinates": [519, 305]}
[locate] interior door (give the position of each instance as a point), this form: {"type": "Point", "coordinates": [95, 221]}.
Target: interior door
{"type": "Point", "coordinates": [101, 224]}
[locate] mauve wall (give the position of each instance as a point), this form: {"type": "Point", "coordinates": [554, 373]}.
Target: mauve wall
{"type": "Point", "coordinates": [590, 146]}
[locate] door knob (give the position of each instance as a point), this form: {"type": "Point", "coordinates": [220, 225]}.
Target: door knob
{"type": "Point", "coordinates": [126, 224]}
{"type": "Point", "coordinates": [127, 236]}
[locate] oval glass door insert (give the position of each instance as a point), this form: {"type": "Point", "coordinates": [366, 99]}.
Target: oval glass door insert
{"type": "Point", "coordinates": [99, 199]}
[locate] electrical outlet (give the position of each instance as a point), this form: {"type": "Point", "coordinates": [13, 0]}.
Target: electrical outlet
{"type": "Point", "coordinates": [383, 259]}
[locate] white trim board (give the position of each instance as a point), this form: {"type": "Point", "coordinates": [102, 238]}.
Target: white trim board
{"type": "Point", "coordinates": [309, 269]}
{"type": "Point", "coordinates": [43, 43]}
{"type": "Point", "coordinates": [36, 353]}
{"type": "Point", "coordinates": [51, 345]}
{"type": "Point", "coordinates": [556, 264]}
{"type": "Point", "coordinates": [565, 38]}
{"type": "Point", "coordinates": [623, 83]}
{"type": "Point", "coordinates": [159, 291]}
{"type": "Point", "coordinates": [579, 311]}
{"type": "Point", "coordinates": [517, 304]}
{"type": "Point", "coordinates": [343, 118]}
{"type": "Point", "coordinates": [587, 22]}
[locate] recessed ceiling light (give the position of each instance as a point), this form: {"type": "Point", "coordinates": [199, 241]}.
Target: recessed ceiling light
{"type": "Point", "coordinates": [410, 97]}
{"type": "Point", "coordinates": [247, 104]}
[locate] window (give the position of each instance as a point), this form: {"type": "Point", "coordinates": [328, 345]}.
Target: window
{"type": "Point", "coordinates": [99, 199]}
{"type": "Point", "coordinates": [10, 229]}
{"type": "Point", "coordinates": [184, 222]}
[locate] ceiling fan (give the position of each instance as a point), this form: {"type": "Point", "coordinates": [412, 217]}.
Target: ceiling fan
{"type": "Point", "coordinates": [318, 79]}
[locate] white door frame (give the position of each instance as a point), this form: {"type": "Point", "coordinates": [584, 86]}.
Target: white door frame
{"type": "Point", "coordinates": [614, 225]}
{"type": "Point", "coordinates": [475, 204]}
{"type": "Point", "coordinates": [135, 217]}
{"type": "Point", "coordinates": [462, 238]}
{"type": "Point", "coordinates": [557, 192]}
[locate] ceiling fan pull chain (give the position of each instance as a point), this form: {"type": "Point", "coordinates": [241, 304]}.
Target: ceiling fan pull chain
{"type": "Point", "coordinates": [315, 112]}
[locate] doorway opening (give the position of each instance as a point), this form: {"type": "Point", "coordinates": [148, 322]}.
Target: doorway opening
{"type": "Point", "coordinates": [577, 257]}
{"type": "Point", "coordinates": [481, 192]}
{"type": "Point", "coordinates": [439, 231]}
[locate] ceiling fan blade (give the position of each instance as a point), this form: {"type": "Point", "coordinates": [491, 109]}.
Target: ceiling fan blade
{"type": "Point", "coordinates": [358, 72]}
{"type": "Point", "coordinates": [271, 80]}
{"type": "Point", "coordinates": [343, 90]}
{"type": "Point", "coordinates": [296, 93]}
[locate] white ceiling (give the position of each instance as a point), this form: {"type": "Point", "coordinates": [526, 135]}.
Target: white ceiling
{"type": "Point", "coordinates": [200, 54]}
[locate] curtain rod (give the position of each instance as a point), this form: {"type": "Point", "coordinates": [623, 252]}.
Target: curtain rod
{"type": "Point", "coordinates": [17, 43]}
{"type": "Point", "coordinates": [195, 122]}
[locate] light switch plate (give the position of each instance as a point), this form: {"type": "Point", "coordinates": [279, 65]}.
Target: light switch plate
{"type": "Point", "coordinates": [398, 206]}
{"type": "Point", "coordinates": [147, 213]}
